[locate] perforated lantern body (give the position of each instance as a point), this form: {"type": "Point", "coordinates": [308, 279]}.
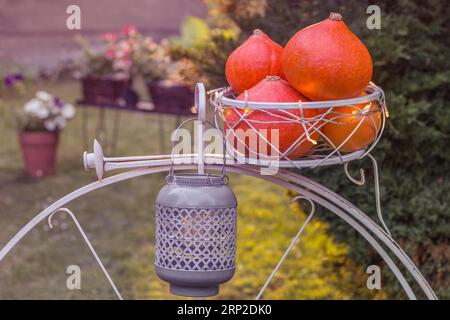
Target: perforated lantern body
{"type": "Point", "coordinates": [195, 234]}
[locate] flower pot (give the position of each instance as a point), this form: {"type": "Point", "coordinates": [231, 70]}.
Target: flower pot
{"type": "Point", "coordinates": [39, 152]}
{"type": "Point", "coordinates": [171, 98]}
{"type": "Point", "coordinates": [104, 90]}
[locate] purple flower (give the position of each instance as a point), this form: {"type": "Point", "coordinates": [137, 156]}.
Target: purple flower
{"type": "Point", "coordinates": [12, 78]}
{"type": "Point", "coordinates": [18, 76]}
{"type": "Point", "coordinates": [58, 102]}
{"type": "Point", "coordinates": [9, 81]}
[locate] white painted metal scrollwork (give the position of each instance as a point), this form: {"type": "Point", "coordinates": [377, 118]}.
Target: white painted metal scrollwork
{"type": "Point", "coordinates": [88, 243]}
{"type": "Point", "coordinates": [297, 183]}
{"type": "Point", "coordinates": [291, 245]}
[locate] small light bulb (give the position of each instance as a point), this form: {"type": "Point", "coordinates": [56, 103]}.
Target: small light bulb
{"type": "Point", "coordinates": [366, 108]}
{"type": "Point", "coordinates": [308, 137]}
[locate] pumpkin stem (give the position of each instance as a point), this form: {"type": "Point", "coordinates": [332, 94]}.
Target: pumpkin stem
{"type": "Point", "coordinates": [257, 32]}
{"type": "Point", "coordinates": [272, 78]}
{"type": "Point", "coordinates": [335, 16]}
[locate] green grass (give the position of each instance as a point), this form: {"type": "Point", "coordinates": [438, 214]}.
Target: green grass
{"type": "Point", "coordinates": [119, 220]}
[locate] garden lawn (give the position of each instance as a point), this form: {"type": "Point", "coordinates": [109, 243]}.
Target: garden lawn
{"type": "Point", "coordinates": [119, 220]}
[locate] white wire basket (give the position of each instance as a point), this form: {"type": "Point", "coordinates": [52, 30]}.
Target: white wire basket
{"type": "Point", "coordinates": [307, 134]}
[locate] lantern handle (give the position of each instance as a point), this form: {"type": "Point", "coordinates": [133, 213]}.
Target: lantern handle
{"type": "Point", "coordinates": [169, 178]}
{"type": "Point", "coordinates": [200, 106]}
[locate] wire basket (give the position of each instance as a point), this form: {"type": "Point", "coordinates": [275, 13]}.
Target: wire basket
{"type": "Point", "coordinates": [300, 134]}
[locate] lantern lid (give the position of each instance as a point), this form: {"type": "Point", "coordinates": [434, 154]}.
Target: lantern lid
{"type": "Point", "coordinates": [186, 190]}
{"type": "Point", "coordinates": [197, 180]}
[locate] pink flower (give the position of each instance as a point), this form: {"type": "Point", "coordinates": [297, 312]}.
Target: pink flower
{"type": "Point", "coordinates": [120, 54]}
{"type": "Point", "coordinates": [125, 46]}
{"type": "Point", "coordinates": [110, 54]}
{"type": "Point", "coordinates": [109, 36]}
{"type": "Point", "coordinates": [129, 30]}
{"type": "Point", "coordinates": [122, 64]}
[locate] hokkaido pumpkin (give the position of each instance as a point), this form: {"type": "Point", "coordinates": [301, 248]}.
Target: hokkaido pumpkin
{"type": "Point", "coordinates": [258, 57]}
{"type": "Point", "coordinates": [271, 89]}
{"type": "Point", "coordinates": [326, 61]}
{"type": "Point", "coordinates": [346, 120]}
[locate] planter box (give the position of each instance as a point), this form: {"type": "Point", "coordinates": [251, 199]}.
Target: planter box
{"type": "Point", "coordinates": [39, 152]}
{"type": "Point", "coordinates": [104, 90]}
{"type": "Point", "coordinates": [171, 98]}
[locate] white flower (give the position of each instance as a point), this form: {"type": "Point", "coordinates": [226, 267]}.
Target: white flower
{"type": "Point", "coordinates": [54, 110]}
{"type": "Point", "coordinates": [37, 108]}
{"type": "Point", "coordinates": [44, 96]}
{"type": "Point", "coordinates": [50, 124]}
{"type": "Point", "coordinates": [32, 106]}
{"type": "Point", "coordinates": [43, 112]}
{"type": "Point", "coordinates": [60, 122]}
{"type": "Point", "coordinates": [68, 111]}
{"type": "Point", "coordinates": [51, 112]}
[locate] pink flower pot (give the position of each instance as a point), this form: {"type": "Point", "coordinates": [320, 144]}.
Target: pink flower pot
{"type": "Point", "coordinates": [39, 152]}
{"type": "Point", "coordinates": [171, 98]}
{"type": "Point", "coordinates": [103, 90]}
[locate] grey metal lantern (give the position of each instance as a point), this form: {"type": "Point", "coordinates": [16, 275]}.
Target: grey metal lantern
{"type": "Point", "coordinates": [196, 224]}
{"type": "Point", "coordinates": [195, 233]}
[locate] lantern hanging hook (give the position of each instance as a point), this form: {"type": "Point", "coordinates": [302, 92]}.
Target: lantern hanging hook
{"type": "Point", "coordinates": [200, 106]}
{"type": "Point", "coordinates": [169, 178]}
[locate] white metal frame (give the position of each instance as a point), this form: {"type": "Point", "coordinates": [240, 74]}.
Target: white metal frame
{"type": "Point", "coordinates": [378, 237]}
{"type": "Point", "coordinates": [303, 186]}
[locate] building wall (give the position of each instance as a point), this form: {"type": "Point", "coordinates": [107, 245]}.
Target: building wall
{"type": "Point", "coordinates": [34, 32]}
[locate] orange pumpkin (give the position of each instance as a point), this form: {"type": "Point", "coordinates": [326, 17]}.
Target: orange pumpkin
{"type": "Point", "coordinates": [326, 61]}
{"type": "Point", "coordinates": [271, 89]}
{"type": "Point", "coordinates": [258, 57]}
{"type": "Point", "coordinates": [346, 120]}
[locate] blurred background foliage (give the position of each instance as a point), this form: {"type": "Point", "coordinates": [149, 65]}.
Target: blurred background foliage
{"type": "Point", "coordinates": [411, 62]}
